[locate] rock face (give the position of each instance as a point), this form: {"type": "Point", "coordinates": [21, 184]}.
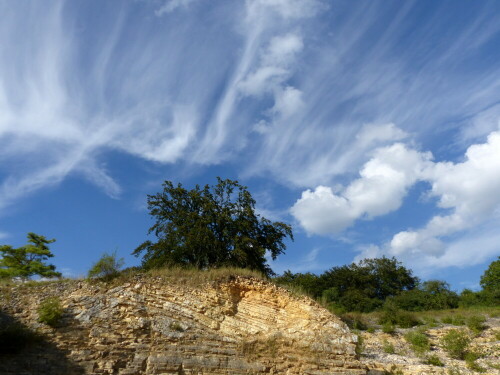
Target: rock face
{"type": "Point", "coordinates": [148, 325]}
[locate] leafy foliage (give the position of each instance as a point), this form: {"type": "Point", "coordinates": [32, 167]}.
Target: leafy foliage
{"type": "Point", "coordinates": [354, 321]}
{"type": "Point", "coordinates": [418, 341]}
{"type": "Point", "coordinates": [470, 360]}
{"type": "Point", "coordinates": [27, 260]}
{"type": "Point", "coordinates": [456, 343]}
{"type": "Point", "coordinates": [476, 323]}
{"type": "Point", "coordinates": [209, 227]}
{"type": "Point", "coordinates": [50, 311]}
{"type": "Point", "coordinates": [430, 295]}
{"type": "Point", "coordinates": [392, 315]}
{"type": "Point", "coordinates": [364, 286]}
{"type": "Point", "coordinates": [433, 360]}
{"type": "Point", "coordinates": [490, 281]}
{"type": "Point", "coordinates": [388, 347]}
{"type": "Point", "coordinates": [107, 267]}
{"type": "Point", "coordinates": [491, 277]}
{"type": "Point", "coordinates": [307, 282]}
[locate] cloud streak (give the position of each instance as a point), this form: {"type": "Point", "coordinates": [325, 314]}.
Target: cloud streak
{"type": "Point", "coordinates": [303, 92]}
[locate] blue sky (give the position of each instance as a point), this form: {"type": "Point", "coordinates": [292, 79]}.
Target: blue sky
{"type": "Point", "coordinates": [370, 126]}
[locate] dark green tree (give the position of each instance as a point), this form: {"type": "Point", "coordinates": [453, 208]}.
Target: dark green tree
{"type": "Point", "coordinates": [430, 295]}
{"type": "Point", "coordinates": [490, 281]}
{"type": "Point", "coordinates": [491, 277]}
{"type": "Point", "coordinates": [364, 286]}
{"type": "Point", "coordinates": [211, 227]}
{"type": "Point", "coordinates": [308, 282]}
{"type": "Point", "coordinates": [27, 260]}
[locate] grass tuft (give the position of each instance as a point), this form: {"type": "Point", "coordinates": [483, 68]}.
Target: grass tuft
{"type": "Point", "coordinates": [419, 342]}
{"type": "Point", "coordinates": [50, 311]}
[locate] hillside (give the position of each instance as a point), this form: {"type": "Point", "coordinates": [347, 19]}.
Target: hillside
{"type": "Point", "coordinates": [162, 325]}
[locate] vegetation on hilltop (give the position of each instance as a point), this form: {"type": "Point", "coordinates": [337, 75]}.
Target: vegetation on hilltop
{"type": "Point", "coordinates": [28, 260]}
{"type": "Point", "coordinates": [385, 284]}
{"type": "Point", "coordinates": [210, 227]}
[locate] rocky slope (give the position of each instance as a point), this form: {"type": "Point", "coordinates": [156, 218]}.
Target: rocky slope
{"type": "Point", "coordinates": [149, 325]}
{"type": "Point", "coordinates": [392, 353]}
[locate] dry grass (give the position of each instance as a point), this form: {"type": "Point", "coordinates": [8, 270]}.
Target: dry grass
{"type": "Point", "coordinates": [191, 277]}
{"type": "Point", "coordinates": [195, 276]}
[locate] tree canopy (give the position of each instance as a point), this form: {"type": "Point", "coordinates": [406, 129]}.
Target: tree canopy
{"type": "Point", "coordinates": [28, 260]}
{"type": "Point", "coordinates": [362, 286]}
{"type": "Point", "coordinates": [209, 227]}
{"type": "Point", "coordinates": [490, 281]}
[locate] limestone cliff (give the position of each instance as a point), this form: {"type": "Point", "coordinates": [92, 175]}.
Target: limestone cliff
{"type": "Point", "coordinates": [148, 325]}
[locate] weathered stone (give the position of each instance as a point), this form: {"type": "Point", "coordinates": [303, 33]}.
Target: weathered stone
{"type": "Point", "coordinates": [148, 326]}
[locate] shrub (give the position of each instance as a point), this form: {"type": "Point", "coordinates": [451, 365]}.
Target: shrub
{"type": "Point", "coordinates": [388, 347]}
{"type": "Point", "coordinates": [50, 311]}
{"type": "Point", "coordinates": [470, 360]}
{"type": "Point", "coordinates": [456, 320]}
{"type": "Point", "coordinates": [429, 321]}
{"type": "Point", "coordinates": [430, 295]}
{"type": "Point", "coordinates": [387, 327]}
{"type": "Point", "coordinates": [404, 319]}
{"type": "Point", "coordinates": [469, 298]}
{"type": "Point", "coordinates": [456, 342]}
{"type": "Point", "coordinates": [307, 282]}
{"type": "Point", "coordinates": [434, 360]}
{"type": "Point", "coordinates": [176, 326]}
{"type": "Point", "coordinates": [354, 321]}
{"type": "Point", "coordinates": [476, 323]}
{"type": "Point", "coordinates": [359, 346]}
{"type": "Point", "coordinates": [106, 268]}
{"type": "Point", "coordinates": [418, 341]}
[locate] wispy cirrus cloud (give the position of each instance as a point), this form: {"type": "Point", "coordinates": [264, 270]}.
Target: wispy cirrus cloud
{"type": "Point", "coordinates": [171, 5]}
{"type": "Point", "coordinates": [304, 92]}
{"type": "Point", "coordinates": [69, 94]}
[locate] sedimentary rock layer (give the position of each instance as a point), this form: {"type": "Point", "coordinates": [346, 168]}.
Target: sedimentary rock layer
{"type": "Point", "coordinates": [151, 325]}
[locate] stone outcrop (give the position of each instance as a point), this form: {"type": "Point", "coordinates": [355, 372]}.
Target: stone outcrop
{"type": "Point", "coordinates": [148, 325]}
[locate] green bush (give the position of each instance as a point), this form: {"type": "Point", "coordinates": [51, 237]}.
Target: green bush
{"type": "Point", "coordinates": [50, 311]}
{"type": "Point", "coordinates": [418, 341]}
{"type": "Point", "coordinates": [456, 342]}
{"type": "Point", "coordinates": [476, 323]}
{"type": "Point", "coordinates": [430, 295]}
{"type": "Point", "coordinates": [455, 320]}
{"type": "Point", "coordinates": [469, 298]}
{"type": "Point", "coordinates": [388, 327]}
{"type": "Point", "coordinates": [106, 268]}
{"type": "Point", "coordinates": [470, 360]}
{"type": "Point", "coordinates": [360, 347]}
{"type": "Point", "coordinates": [354, 321]}
{"type": "Point", "coordinates": [403, 319]}
{"type": "Point", "coordinates": [434, 360]}
{"type": "Point", "coordinates": [388, 347]}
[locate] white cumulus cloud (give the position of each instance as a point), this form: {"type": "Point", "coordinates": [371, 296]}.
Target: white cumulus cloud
{"type": "Point", "coordinates": [380, 189]}
{"type": "Point", "coordinates": [466, 195]}
{"type": "Point", "coordinates": [469, 189]}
